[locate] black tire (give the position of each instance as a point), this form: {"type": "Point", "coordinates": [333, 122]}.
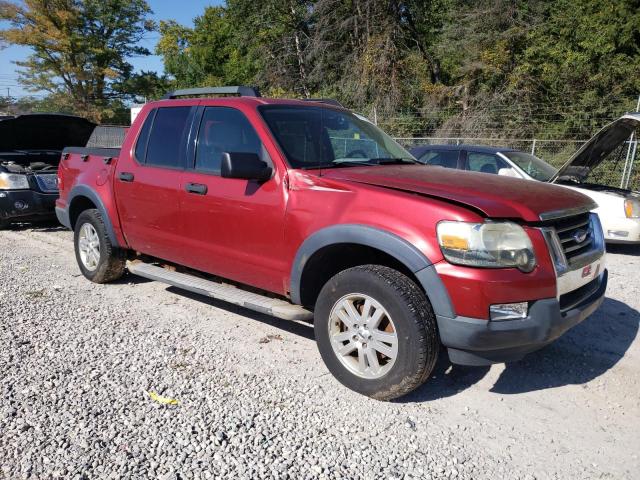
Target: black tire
{"type": "Point", "coordinates": [3, 224]}
{"type": "Point", "coordinates": [413, 320]}
{"type": "Point", "coordinates": [112, 260]}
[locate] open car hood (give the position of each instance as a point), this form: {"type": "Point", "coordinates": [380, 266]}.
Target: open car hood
{"type": "Point", "coordinates": [43, 131]}
{"type": "Point", "coordinates": [592, 153]}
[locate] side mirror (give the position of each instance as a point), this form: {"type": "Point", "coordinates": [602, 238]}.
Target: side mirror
{"type": "Point", "coordinates": [508, 172]}
{"type": "Point", "coordinates": [247, 166]}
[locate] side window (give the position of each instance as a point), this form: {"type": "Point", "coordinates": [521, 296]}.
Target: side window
{"type": "Point", "coordinates": [484, 163]}
{"type": "Point", "coordinates": [441, 158]}
{"type": "Point", "coordinates": [167, 137]}
{"type": "Point", "coordinates": [224, 129]}
{"type": "Point", "coordinates": [143, 138]}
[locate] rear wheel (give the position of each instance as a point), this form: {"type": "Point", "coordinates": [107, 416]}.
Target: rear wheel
{"type": "Point", "coordinates": [376, 331]}
{"type": "Point", "coordinates": [98, 259]}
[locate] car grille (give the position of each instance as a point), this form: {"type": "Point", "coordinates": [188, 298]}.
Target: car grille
{"type": "Point", "coordinates": [576, 297]}
{"type": "Point", "coordinates": [575, 234]}
{"type": "Point", "coordinates": [47, 183]}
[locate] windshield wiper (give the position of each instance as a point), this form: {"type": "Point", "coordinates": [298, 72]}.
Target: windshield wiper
{"type": "Point", "coordinates": [393, 160]}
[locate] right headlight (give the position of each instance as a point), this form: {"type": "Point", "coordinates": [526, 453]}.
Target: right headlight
{"type": "Point", "coordinates": [632, 208]}
{"type": "Point", "coordinates": [486, 245]}
{"type": "Point", "coordinates": [13, 181]}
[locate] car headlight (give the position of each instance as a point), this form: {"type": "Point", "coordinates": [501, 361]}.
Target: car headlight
{"type": "Point", "coordinates": [632, 208]}
{"type": "Point", "coordinates": [13, 181]}
{"type": "Point", "coordinates": [486, 245]}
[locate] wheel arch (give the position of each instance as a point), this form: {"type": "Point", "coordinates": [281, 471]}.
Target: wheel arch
{"type": "Point", "coordinates": [314, 262]}
{"type": "Point", "coordinates": [82, 198]}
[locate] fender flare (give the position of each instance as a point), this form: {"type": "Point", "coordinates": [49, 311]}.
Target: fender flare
{"type": "Point", "coordinates": [88, 192]}
{"type": "Point", "coordinates": [382, 240]}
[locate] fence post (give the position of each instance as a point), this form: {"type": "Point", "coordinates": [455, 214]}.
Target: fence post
{"type": "Point", "coordinates": [631, 161]}
{"type": "Point", "coordinates": [628, 162]}
{"type": "Point", "coordinates": [533, 147]}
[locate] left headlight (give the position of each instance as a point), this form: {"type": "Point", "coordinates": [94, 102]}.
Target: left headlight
{"type": "Point", "coordinates": [632, 208]}
{"type": "Point", "coordinates": [13, 181]}
{"type": "Point", "coordinates": [486, 245]}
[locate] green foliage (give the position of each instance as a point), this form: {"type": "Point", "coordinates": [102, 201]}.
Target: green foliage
{"type": "Point", "coordinates": [80, 47]}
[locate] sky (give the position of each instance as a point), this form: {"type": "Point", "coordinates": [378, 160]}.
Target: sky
{"type": "Point", "coordinates": [182, 11]}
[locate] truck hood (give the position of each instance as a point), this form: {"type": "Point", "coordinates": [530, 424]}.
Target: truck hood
{"type": "Point", "coordinates": [494, 196]}
{"type": "Point", "coordinates": [592, 153]}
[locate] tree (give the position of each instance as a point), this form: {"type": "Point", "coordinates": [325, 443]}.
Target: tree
{"type": "Point", "coordinates": [80, 47]}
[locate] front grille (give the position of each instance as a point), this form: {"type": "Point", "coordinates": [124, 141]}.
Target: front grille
{"type": "Point", "coordinates": [575, 234]}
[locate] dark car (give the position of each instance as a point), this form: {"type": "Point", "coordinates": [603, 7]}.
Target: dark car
{"type": "Point", "coordinates": [30, 149]}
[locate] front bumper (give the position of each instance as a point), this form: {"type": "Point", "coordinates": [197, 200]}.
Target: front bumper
{"type": "Point", "coordinates": [25, 205]}
{"type": "Point", "coordinates": [473, 341]}
{"type": "Point", "coordinates": [621, 230]}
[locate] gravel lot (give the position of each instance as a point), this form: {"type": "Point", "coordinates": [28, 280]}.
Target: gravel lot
{"type": "Point", "coordinates": [78, 360]}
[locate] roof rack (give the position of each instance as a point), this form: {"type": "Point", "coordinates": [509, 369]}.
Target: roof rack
{"type": "Point", "coordinates": [328, 101]}
{"type": "Point", "coordinates": [241, 91]}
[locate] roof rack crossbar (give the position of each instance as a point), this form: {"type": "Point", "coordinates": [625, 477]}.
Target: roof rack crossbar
{"type": "Point", "coordinates": [328, 101]}
{"type": "Point", "coordinates": [241, 91]}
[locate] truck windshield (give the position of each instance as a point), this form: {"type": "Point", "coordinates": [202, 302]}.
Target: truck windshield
{"type": "Point", "coordinates": [533, 166]}
{"type": "Point", "coordinates": [319, 137]}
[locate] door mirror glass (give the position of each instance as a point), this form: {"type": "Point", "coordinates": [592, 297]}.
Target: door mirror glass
{"type": "Point", "coordinates": [247, 166]}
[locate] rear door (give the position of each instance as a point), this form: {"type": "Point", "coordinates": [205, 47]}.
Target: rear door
{"type": "Point", "coordinates": [233, 228]}
{"type": "Point", "coordinates": [147, 183]}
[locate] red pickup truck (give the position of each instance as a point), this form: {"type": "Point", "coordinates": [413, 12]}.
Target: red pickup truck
{"type": "Point", "coordinates": [305, 211]}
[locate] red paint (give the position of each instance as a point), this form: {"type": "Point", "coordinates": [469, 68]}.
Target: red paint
{"type": "Point", "coordinates": [250, 233]}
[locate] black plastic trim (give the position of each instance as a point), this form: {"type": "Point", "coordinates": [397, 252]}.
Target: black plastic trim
{"type": "Point", "coordinates": [88, 192]}
{"type": "Point", "coordinates": [474, 341]}
{"type": "Point", "coordinates": [382, 240]}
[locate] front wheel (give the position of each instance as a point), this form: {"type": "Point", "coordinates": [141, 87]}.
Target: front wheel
{"type": "Point", "coordinates": [98, 259]}
{"type": "Point", "coordinates": [376, 331]}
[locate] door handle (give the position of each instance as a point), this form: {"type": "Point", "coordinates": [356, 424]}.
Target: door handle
{"type": "Point", "coordinates": [197, 188]}
{"type": "Point", "coordinates": [125, 177]}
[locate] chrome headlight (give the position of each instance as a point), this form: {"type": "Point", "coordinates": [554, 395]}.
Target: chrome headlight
{"type": "Point", "coordinates": [486, 245]}
{"type": "Point", "coordinates": [13, 181]}
{"type": "Point", "coordinates": [632, 208]}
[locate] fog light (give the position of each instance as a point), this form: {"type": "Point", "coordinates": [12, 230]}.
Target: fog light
{"type": "Point", "coordinates": [508, 311]}
{"type": "Point", "coordinates": [20, 205]}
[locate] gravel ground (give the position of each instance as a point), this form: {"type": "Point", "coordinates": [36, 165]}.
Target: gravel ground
{"type": "Point", "coordinates": [78, 362]}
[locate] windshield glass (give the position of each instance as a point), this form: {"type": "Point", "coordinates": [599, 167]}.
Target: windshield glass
{"type": "Point", "coordinates": [317, 137]}
{"type": "Point", "coordinates": [532, 166]}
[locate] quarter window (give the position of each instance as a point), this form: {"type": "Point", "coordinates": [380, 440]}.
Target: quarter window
{"type": "Point", "coordinates": [224, 129]}
{"type": "Point", "coordinates": [168, 137]}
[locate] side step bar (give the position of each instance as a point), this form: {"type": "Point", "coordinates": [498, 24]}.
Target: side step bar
{"type": "Point", "coordinates": [220, 291]}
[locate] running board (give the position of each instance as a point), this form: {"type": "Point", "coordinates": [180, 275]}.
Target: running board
{"type": "Point", "coordinates": [220, 291]}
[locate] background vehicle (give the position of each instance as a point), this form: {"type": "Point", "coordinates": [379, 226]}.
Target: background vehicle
{"type": "Point", "coordinates": [619, 209]}
{"type": "Point", "coordinates": [30, 147]}
{"type": "Point", "coordinates": [313, 213]}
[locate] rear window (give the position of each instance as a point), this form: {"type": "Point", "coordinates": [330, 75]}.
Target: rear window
{"type": "Point", "coordinates": [167, 137]}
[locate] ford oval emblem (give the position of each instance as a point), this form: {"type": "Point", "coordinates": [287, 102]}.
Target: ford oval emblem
{"type": "Point", "coordinates": [580, 235]}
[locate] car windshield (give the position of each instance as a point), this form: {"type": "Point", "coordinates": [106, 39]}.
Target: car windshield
{"type": "Point", "coordinates": [532, 166]}
{"type": "Point", "coordinates": [319, 137]}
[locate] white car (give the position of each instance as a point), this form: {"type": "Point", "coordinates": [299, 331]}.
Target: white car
{"type": "Point", "coordinates": [619, 209]}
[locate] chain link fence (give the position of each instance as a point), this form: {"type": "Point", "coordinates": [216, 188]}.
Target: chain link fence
{"type": "Point", "coordinates": [620, 169]}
